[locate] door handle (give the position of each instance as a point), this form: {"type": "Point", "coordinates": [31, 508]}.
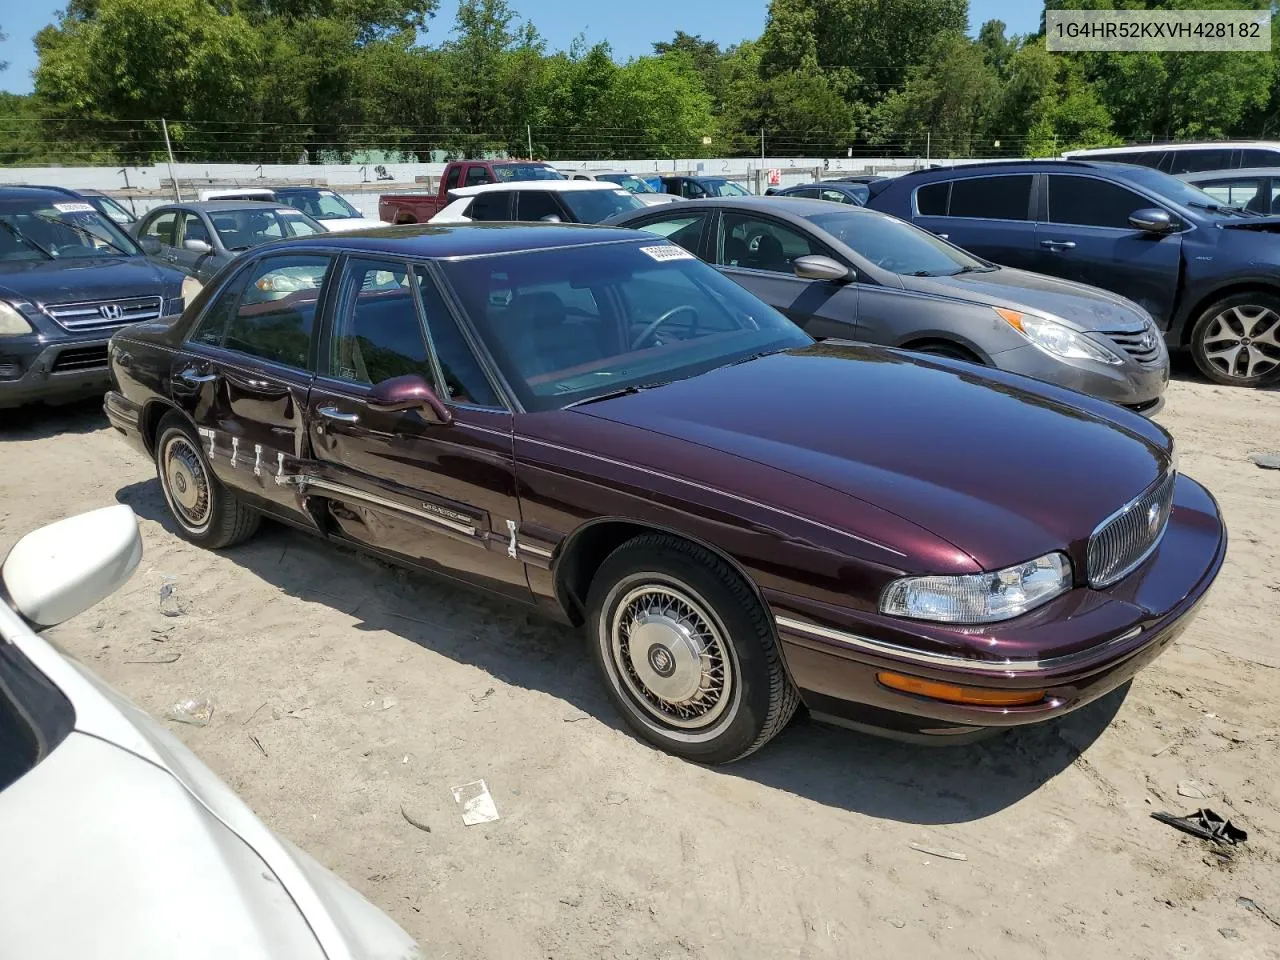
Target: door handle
{"type": "Point", "coordinates": [333, 413]}
{"type": "Point", "coordinates": [1058, 244]}
{"type": "Point", "coordinates": [189, 375]}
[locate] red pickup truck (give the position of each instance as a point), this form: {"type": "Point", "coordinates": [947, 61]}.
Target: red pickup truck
{"type": "Point", "coordinates": [421, 207]}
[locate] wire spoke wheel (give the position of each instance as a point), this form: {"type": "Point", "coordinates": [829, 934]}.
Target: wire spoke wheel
{"type": "Point", "coordinates": [671, 656]}
{"type": "Point", "coordinates": [1243, 342]}
{"type": "Point", "coordinates": [186, 484]}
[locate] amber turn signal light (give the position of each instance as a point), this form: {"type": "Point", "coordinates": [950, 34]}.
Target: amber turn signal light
{"type": "Point", "coordinates": [952, 693]}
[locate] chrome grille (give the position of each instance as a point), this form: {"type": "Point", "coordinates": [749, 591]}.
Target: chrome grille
{"type": "Point", "coordinates": [80, 358]}
{"type": "Point", "coordinates": [1143, 345]}
{"type": "Point", "coordinates": [104, 314]}
{"type": "Point", "coordinates": [1126, 538]}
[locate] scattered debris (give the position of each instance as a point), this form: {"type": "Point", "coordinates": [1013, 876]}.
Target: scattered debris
{"type": "Point", "coordinates": [171, 658]}
{"type": "Point", "coordinates": [573, 900]}
{"type": "Point", "coordinates": [581, 716]}
{"type": "Point", "coordinates": [477, 802]}
{"type": "Point", "coordinates": [1229, 934]}
{"type": "Point", "coordinates": [257, 743]}
{"type": "Point", "coordinates": [1258, 909]}
{"type": "Point", "coordinates": [161, 634]}
{"type": "Point", "coordinates": [1192, 790]}
{"type": "Point", "coordinates": [425, 828]}
{"type": "Point", "coordinates": [1206, 825]}
{"type": "Point", "coordinates": [245, 721]}
{"type": "Point", "coordinates": [405, 759]}
{"type": "Point", "coordinates": [1164, 748]}
{"type": "Point", "coordinates": [482, 698]}
{"type": "Point", "coordinates": [614, 798]}
{"type": "Point", "coordinates": [198, 713]}
{"type": "Point", "coordinates": [933, 852]}
{"type": "Point", "coordinates": [378, 877]}
{"type": "Point", "coordinates": [169, 605]}
{"type": "Point", "coordinates": [1268, 461]}
{"type": "Point", "coordinates": [895, 922]}
{"type": "Point", "coordinates": [389, 702]}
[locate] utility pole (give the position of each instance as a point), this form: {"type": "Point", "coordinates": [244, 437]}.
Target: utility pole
{"type": "Point", "coordinates": [528, 128]}
{"type": "Point", "coordinates": [928, 143]}
{"type": "Point", "coordinates": [164, 125]}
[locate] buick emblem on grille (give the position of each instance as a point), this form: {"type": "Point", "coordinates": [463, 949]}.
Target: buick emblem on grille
{"type": "Point", "coordinates": [1147, 341]}
{"type": "Point", "coordinates": [1153, 518]}
{"type": "Point", "coordinates": [111, 311]}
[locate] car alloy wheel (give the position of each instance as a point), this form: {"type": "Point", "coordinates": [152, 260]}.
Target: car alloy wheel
{"type": "Point", "coordinates": [186, 483]}
{"type": "Point", "coordinates": [1237, 341]}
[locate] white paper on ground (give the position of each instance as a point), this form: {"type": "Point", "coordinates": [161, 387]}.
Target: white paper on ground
{"type": "Point", "coordinates": [477, 803]}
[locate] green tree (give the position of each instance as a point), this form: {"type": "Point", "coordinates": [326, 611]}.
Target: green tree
{"type": "Point", "coordinates": [662, 109]}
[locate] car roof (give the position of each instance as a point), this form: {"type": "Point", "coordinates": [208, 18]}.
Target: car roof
{"type": "Point", "coordinates": [787, 208]}
{"type": "Point", "coordinates": [938, 172]}
{"type": "Point", "coordinates": [446, 240]}
{"type": "Point", "coordinates": [1229, 174]}
{"type": "Point", "coordinates": [35, 192]}
{"type": "Point", "coordinates": [1190, 145]}
{"type": "Point", "coordinates": [559, 186]}
{"type": "Point", "coordinates": [219, 206]}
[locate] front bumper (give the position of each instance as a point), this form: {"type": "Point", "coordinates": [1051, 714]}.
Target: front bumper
{"type": "Point", "coordinates": [1132, 384]}
{"type": "Point", "coordinates": [34, 370]}
{"type": "Point", "coordinates": [1077, 648]}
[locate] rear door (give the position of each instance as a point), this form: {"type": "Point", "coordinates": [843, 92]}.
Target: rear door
{"type": "Point", "coordinates": [758, 253]}
{"type": "Point", "coordinates": [988, 215]}
{"type": "Point", "coordinates": [247, 372]}
{"type": "Point", "coordinates": [440, 495]}
{"type": "Point", "coordinates": [1084, 235]}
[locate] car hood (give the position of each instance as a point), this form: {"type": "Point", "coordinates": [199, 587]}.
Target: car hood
{"type": "Point", "coordinates": [75, 281]}
{"type": "Point", "coordinates": [656, 199]}
{"type": "Point", "coordinates": [1080, 305]}
{"type": "Point", "coordinates": [1002, 467]}
{"type": "Point", "coordinates": [350, 223]}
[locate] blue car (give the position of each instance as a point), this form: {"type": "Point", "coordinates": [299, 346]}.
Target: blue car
{"type": "Point", "coordinates": [833, 191]}
{"type": "Point", "coordinates": [1208, 272]}
{"type": "Point", "coordinates": [69, 277]}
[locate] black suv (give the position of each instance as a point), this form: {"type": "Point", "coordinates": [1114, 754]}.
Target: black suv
{"type": "Point", "coordinates": [1208, 273]}
{"type": "Point", "coordinates": [68, 278]}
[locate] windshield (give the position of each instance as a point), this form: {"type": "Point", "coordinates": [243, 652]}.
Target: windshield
{"type": "Point", "coordinates": [723, 188]}
{"type": "Point", "coordinates": [569, 325]}
{"type": "Point", "coordinates": [113, 210]}
{"type": "Point", "coordinates": [319, 204]}
{"type": "Point", "coordinates": [1171, 188]}
{"type": "Point", "coordinates": [506, 172]}
{"type": "Point", "coordinates": [39, 230]}
{"type": "Point", "coordinates": [593, 206]}
{"type": "Point", "coordinates": [628, 181]}
{"type": "Point", "coordinates": [251, 227]}
{"type": "Point", "coordinates": [896, 245]}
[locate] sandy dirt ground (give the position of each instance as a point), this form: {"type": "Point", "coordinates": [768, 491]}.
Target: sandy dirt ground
{"type": "Point", "coordinates": [373, 691]}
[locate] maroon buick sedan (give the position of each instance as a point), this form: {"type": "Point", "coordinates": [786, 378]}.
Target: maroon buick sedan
{"type": "Point", "coordinates": [594, 422]}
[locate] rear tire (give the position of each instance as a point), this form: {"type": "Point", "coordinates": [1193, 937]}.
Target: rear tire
{"type": "Point", "coordinates": [1236, 342]}
{"type": "Point", "coordinates": [686, 650]}
{"type": "Point", "coordinates": [207, 513]}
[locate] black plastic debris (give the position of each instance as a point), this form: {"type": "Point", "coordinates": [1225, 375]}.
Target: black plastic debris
{"type": "Point", "coordinates": [1206, 825]}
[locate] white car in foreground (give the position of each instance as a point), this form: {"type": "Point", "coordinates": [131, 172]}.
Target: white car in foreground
{"type": "Point", "coordinates": [117, 841]}
{"type": "Point", "coordinates": [549, 201]}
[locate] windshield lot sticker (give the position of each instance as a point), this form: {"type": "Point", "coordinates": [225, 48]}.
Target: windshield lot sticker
{"type": "Point", "coordinates": [668, 251]}
{"type": "Point", "coordinates": [73, 207]}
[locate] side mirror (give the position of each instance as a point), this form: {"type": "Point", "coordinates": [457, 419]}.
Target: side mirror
{"type": "Point", "coordinates": [63, 569]}
{"type": "Point", "coordinates": [150, 245]}
{"type": "Point", "coordinates": [814, 267]}
{"type": "Point", "coordinates": [197, 246]}
{"type": "Point", "coordinates": [1152, 220]}
{"type": "Point", "coordinates": [549, 218]}
{"type": "Point", "coordinates": [409, 392]}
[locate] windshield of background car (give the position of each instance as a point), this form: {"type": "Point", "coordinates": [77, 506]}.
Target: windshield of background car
{"type": "Point", "coordinates": [60, 230]}
{"type": "Point", "coordinates": [724, 188]}
{"type": "Point", "coordinates": [628, 182]}
{"type": "Point", "coordinates": [319, 204]}
{"type": "Point", "coordinates": [506, 172]}
{"type": "Point", "coordinates": [593, 206]}
{"type": "Point", "coordinates": [254, 226]}
{"type": "Point", "coordinates": [573, 323]}
{"type": "Point", "coordinates": [1171, 188]}
{"type": "Point", "coordinates": [117, 213]}
{"type": "Point", "coordinates": [896, 245]}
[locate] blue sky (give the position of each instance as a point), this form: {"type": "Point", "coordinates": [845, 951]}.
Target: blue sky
{"type": "Point", "coordinates": [625, 26]}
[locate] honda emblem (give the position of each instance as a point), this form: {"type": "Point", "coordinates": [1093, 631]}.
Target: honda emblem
{"type": "Point", "coordinates": [111, 311]}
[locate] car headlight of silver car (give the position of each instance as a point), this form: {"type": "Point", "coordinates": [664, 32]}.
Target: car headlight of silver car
{"type": "Point", "coordinates": [980, 597]}
{"type": "Point", "coordinates": [1056, 338]}
{"type": "Point", "coordinates": [12, 323]}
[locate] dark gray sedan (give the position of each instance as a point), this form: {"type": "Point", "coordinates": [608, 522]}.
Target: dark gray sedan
{"type": "Point", "coordinates": [201, 238]}
{"type": "Point", "coordinates": [848, 272]}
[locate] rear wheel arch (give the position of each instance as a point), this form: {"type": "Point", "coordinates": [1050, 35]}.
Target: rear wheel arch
{"type": "Point", "coordinates": [1187, 320]}
{"type": "Point", "coordinates": [149, 422]}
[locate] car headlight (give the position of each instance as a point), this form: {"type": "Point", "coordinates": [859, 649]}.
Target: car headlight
{"type": "Point", "coordinates": [12, 323]}
{"type": "Point", "coordinates": [1057, 339]}
{"type": "Point", "coordinates": [980, 597]}
{"type": "Point", "coordinates": [190, 287]}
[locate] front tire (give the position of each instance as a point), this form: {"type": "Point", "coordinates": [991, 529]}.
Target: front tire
{"type": "Point", "coordinates": [950, 351]}
{"type": "Point", "coordinates": [687, 651]}
{"type": "Point", "coordinates": [206, 512]}
{"type": "Point", "coordinates": [1236, 342]}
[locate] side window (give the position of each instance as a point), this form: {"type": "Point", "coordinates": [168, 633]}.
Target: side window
{"type": "Point", "coordinates": [1087, 202]}
{"type": "Point", "coordinates": [193, 228]}
{"type": "Point", "coordinates": [451, 178]}
{"type": "Point", "coordinates": [991, 198]}
{"type": "Point", "coordinates": [757, 244]}
{"type": "Point", "coordinates": [495, 205]}
{"type": "Point", "coordinates": [477, 175]}
{"type": "Point", "coordinates": [692, 190]}
{"type": "Point", "coordinates": [685, 231]}
{"type": "Point", "coordinates": [1192, 161]}
{"type": "Point", "coordinates": [464, 379]}
{"type": "Point", "coordinates": [1257, 157]}
{"type": "Point", "coordinates": [376, 333]}
{"type": "Point", "coordinates": [536, 204]}
{"type": "Point", "coordinates": [931, 199]}
{"type": "Point", "coordinates": [269, 311]}
{"type": "Point", "coordinates": [835, 196]}
{"type": "Point", "coordinates": [1239, 193]}
{"type": "Point", "coordinates": [163, 228]}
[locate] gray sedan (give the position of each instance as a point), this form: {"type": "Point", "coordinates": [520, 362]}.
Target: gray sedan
{"type": "Point", "coordinates": [852, 273]}
{"type": "Point", "coordinates": [201, 238]}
